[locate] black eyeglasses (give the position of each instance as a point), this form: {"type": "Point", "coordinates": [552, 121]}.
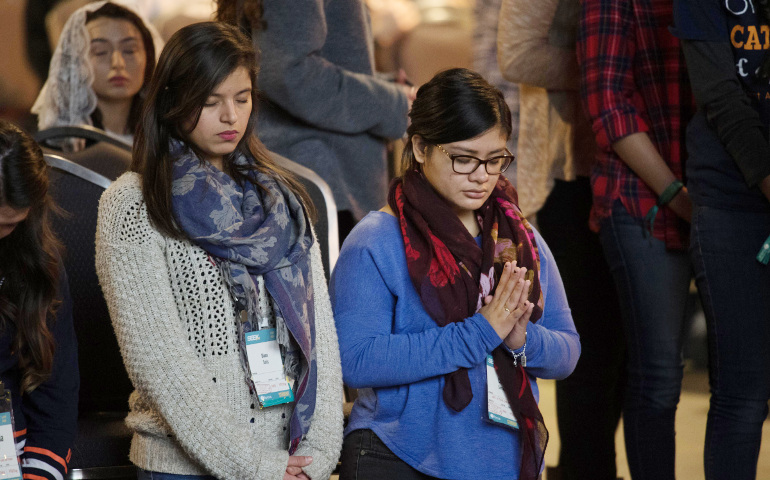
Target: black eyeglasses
{"type": "Point", "coordinates": [467, 164]}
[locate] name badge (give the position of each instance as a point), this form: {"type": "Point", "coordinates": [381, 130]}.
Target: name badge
{"type": "Point", "coordinates": [498, 408]}
{"type": "Point", "coordinates": [9, 462]}
{"type": "Point", "coordinates": [266, 365]}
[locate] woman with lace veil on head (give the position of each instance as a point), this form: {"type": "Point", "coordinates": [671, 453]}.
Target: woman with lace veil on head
{"type": "Point", "coordinates": [214, 282]}
{"type": "Point", "coordinates": [38, 348]}
{"type": "Point", "coordinates": [449, 305]}
{"type": "Point", "coordinates": [104, 58]}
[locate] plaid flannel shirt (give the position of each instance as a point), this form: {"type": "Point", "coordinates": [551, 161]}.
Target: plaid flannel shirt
{"type": "Point", "coordinates": [633, 79]}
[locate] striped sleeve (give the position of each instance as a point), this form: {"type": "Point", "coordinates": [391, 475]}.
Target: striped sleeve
{"type": "Point", "coordinates": [41, 464]}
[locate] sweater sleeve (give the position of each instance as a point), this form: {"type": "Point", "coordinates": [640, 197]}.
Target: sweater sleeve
{"type": "Point", "coordinates": [323, 441]}
{"type": "Point", "coordinates": [607, 84]}
{"type": "Point", "coordinates": [728, 109]}
{"type": "Point", "coordinates": [130, 262]}
{"type": "Point", "coordinates": [553, 344]}
{"type": "Point", "coordinates": [51, 409]}
{"type": "Point", "coordinates": [295, 76]}
{"type": "Point", "coordinates": [383, 344]}
{"type": "Point", "coordinates": [524, 52]}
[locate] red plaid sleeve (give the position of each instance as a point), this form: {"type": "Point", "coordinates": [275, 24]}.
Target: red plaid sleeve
{"type": "Point", "coordinates": [606, 49]}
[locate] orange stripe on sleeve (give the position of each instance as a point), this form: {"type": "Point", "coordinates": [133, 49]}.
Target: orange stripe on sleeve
{"type": "Point", "coordinates": [43, 451]}
{"type": "Point", "coordinates": [19, 433]}
{"type": "Point", "coordinates": [31, 476]}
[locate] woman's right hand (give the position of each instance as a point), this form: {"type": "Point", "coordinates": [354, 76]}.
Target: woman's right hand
{"type": "Point", "coordinates": [294, 468]}
{"type": "Point", "coordinates": [509, 302]}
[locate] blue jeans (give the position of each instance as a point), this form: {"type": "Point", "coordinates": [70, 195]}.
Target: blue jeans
{"type": "Point", "coordinates": [653, 285]}
{"type": "Point", "coordinates": [145, 475]}
{"type": "Point", "coordinates": [735, 293]}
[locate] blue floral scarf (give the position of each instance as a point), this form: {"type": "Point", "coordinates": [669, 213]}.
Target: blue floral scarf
{"type": "Point", "coordinates": [249, 232]}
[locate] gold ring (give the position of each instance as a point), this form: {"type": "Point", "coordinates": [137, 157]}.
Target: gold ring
{"type": "Point", "coordinates": [506, 309]}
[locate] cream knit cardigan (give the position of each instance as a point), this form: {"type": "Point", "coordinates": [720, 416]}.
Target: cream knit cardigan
{"type": "Point", "coordinates": [191, 411]}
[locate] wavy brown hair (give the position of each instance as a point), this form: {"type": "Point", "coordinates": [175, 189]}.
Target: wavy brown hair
{"type": "Point", "coordinates": [196, 59]}
{"type": "Point", "coordinates": [29, 256]}
{"type": "Point", "coordinates": [243, 13]}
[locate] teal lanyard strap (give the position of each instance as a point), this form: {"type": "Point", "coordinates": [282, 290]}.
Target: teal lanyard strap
{"type": "Point", "coordinates": [764, 253]}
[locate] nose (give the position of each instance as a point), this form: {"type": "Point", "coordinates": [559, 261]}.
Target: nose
{"type": "Point", "coordinates": [479, 175]}
{"type": "Point", "coordinates": [117, 60]}
{"type": "Point", "coordinates": [228, 114]}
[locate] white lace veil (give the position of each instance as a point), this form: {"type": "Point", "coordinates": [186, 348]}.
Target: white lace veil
{"type": "Point", "coordinates": [67, 97]}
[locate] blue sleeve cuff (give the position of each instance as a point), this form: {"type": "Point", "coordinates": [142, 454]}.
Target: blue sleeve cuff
{"type": "Point", "coordinates": [488, 334]}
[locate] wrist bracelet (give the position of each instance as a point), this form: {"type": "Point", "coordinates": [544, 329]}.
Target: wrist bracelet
{"type": "Point", "coordinates": [665, 198]}
{"type": "Point", "coordinates": [521, 355]}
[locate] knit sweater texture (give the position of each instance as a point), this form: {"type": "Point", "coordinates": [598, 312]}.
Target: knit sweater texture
{"type": "Point", "coordinates": [191, 411]}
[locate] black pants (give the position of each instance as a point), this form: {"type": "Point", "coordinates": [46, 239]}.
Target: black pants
{"type": "Point", "coordinates": [588, 402]}
{"type": "Point", "coordinates": [365, 457]}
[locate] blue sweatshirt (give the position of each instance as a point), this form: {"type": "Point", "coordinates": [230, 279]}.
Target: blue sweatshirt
{"type": "Point", "coordinates": [397, 356]}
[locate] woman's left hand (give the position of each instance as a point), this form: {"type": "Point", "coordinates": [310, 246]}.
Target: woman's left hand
{"type": "Point", "coordinates": [518, 334]}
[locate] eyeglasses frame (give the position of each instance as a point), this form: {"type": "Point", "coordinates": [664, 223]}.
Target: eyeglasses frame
{"type": "Point", "coordinates": [481, 162]}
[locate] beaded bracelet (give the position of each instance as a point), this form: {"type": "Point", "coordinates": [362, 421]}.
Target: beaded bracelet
{"type": "Point", "coordinates": [522, 355]}
{"type": "Point", "coordinates": [664, 199]}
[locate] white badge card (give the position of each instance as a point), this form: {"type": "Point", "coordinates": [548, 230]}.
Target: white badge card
{"type": "Point", "coordinates": [266, 366]}
{"type": "Point", "coordinates": [9, 463]}
{"type": "Point", "coordinates": [498, 408]}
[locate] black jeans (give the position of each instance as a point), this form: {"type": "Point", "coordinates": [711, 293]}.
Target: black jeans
{"type": "Point", "coordinates": [365, 457]}
{"type": "Point", "coordinates": [588, 402]}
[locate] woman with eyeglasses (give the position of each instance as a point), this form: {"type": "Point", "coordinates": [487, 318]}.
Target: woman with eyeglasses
{"type": "Point", "coordinates": [448, 305]}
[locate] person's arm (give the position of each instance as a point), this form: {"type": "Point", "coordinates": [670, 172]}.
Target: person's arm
{"type": "Point", "coordinates": [637, 151]}
{"type": "Point", "coordinates": [524, 52]}
{"type": "Point", "coordinates": [162, 365]}
{"type": "Point", "coordinates": [295, 76]}
{"type": "Point", "coordinates": [374, 353]}
{"type": "Point", "coordinates": [51, 409]}
{"type": "Point", "coordinates": [323, 441]}
{"type": "Point", "coordinates": [719, 93]}
{"type": "Point", "coordinates": [553, 344]}
{"type": "Point", "coordinates": [608, 89]}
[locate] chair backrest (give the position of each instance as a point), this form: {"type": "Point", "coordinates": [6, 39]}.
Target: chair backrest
{"type": "Point", "coordinates": [326, 228]}
{"type": "Point", "coordinates": [104, 153]}
{"type": "Point", "coordinates": [104, 384]}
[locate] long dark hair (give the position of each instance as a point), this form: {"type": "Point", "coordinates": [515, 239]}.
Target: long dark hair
{"type": "Point", "coordinates": [29, 256]}
{"type": "Point", "coordinates": [456, 104]}
{"type": "Point", "coordinates": [194, 62]}
{"type": "Point", "coordinates": [117, 12]}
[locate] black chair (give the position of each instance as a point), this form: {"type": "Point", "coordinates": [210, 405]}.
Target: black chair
{"type": "Point", "coordinates": [103, 441]}
{"type": "Point", "coordinates": [100, 145]}
{"type": "Point", "coordinates": [326, 225]}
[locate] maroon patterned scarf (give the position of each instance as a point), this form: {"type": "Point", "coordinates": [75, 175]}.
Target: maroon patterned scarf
{"type": "Point", "coordinates": [452, 276]}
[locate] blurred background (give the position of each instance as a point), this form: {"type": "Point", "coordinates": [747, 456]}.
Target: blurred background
{"type": "Point", "coordinates": [419, 37]}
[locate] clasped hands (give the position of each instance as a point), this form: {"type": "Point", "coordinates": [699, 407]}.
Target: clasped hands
{"type": "Point", "coordinates": [509, 310]}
